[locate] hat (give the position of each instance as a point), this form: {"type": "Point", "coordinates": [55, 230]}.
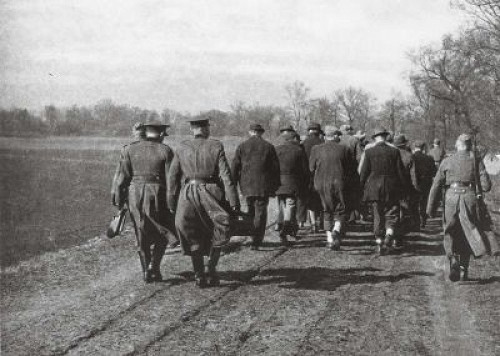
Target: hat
{"type": "Point", "coordinates": [437, 141]}
{"type": "Point", "coordinates": [346, 127]}
{"type": "Point", "coordinates": [360, 135]}
{"type": "Point", "coordinates": [314, 126]}
{"type": "Point", "coordinates": [155, 122]}
{"type": "Point", "coordinates": [331, 130]}
{"type": "Point", "coordinates": [464, 138]}
{"type": "Point", "coordinates": [256, 127]}
{"type": "Point", "coordinates": [400, 140]}
{"type": "Point", "coordinates": [380, 131]}
{"type": "Point", "coordinates": [419, 144]}
{"type": "Point", "coordinates": [287, 128]}
{"type": "Point", "coordinates": [197, 121]}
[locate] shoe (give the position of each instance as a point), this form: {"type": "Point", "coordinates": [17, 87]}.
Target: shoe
{"type": "Point", "coordinates": [213, 279]}
{"type": "Point", "coordinates": [380, 247]}
{"type": "Point", "coordinates": [464, 274]}
{"type": "Point", "coordinates": [284, 241]}
{"type": "Point", "coordinates": [156, 276]}
{"type": "Point", "coordinates": [397, 244]}
{"type": "Point", "coordinates": [148, 276]}
{"type": "Point", "coordinates": [454, 269]}
{"type": "Point", "coordinates": [200, 281]}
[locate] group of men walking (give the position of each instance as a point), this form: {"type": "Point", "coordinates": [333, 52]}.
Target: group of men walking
{"type": "Point", "coordinates": [191, 195]}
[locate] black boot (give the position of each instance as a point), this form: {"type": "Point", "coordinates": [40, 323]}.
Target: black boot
{"type": "Point", "coordinates": [199, 273]}
{"type": "Point", "coordinates": [213, 279]}
{"type": "Point", "coordinates": [454, 268]}
{"type": "Point", "coordinates": [158, 252]}
{"type": "Point", "coordinates": [145, 260]}
{"type": "Point", "coordinates": [464, 267]}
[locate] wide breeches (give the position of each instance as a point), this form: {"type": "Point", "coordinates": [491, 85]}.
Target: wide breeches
{"type": "Point", "coordinates": [202, 218]}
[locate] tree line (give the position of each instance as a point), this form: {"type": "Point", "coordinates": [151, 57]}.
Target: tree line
{"type": "Point", "coordinates": [454, 87]}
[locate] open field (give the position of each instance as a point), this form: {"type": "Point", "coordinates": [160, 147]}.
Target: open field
{"type": "Point", "coordinates": [55, 191]}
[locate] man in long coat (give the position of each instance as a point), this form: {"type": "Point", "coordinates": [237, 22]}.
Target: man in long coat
{"type": "Point", "coordinates": [200, 172]}
{"type": "Point", "coordinates": [141, 182]}
{"type": "Point", "coordinates": [354, 148]}
{"type": "Point", "coordinates": [294, 179]}
{"type": "Point", "coordinates": [463, 236]}
{"type": "Point", "coordinates": [407, 203]}
{"type": "Point", "coordinates": [425, 170]}
{"type": "Point", "coordinates": [328, 164]}
{"type": "Point", "coordinates": [383, 181]}
{"type": "Point", "coordinates": [256, 168]}
{"type": "Point", "coordinates": [311, 198]}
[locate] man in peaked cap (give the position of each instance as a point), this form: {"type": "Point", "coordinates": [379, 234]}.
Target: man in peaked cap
{"type": "Point", "coordinates": [425, 170]}
{"type": "Point", "coordinates": [294, 179]}
{"type": "Point", "coordinates": [311, 199]}
{"type": "Point", "coordinates": [256, 168]}
{"type": "Point", "coordinates": [141, 180]}
{"type": "Point", "coordinates": [463, 235]}
{"type": "Point", "coordinates": [328, 164]}
{"type": "Point", "coordinates": [383, 181]}
{"type": "Point", "coordinates": [200, 172]}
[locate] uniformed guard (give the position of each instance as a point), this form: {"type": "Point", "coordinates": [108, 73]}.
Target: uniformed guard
{"type": "Point", "coordinates": [200, 172]}
{"type": "Point", "coordinates": [425, 170]}
{"type": "Point", "coordinates": [141, 181]}
{"type": "Point", "coordinates": [294, 178]}
{"type": "Point", "coordinates": [328, 164]}
{"type": "Point", "coordinates": [311, 197]}
{"type": "Point", "coordinates": [256, 168]}
{"type": "Point", "coordinates": [462, 228]}
{"type": "Point", "coordinates": [383, 181]}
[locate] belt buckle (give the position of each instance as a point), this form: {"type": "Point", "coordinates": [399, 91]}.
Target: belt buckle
{"type": "Point", "coordinates": [459, 190]}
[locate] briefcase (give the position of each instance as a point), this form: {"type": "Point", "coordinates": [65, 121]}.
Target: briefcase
{"type": "Point", "coordinates": [116, 224]}
{"type": "Point", "coordinates": [241, 224]}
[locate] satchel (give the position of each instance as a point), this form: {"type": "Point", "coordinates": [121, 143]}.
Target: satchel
{"type": "Point", "coordinates": [116, 224]}
{"type": "Point", "coordinates": [241, 224]}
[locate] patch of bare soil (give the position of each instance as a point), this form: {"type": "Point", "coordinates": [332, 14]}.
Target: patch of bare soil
{"type": "Point", "coordinates": [303, 300]}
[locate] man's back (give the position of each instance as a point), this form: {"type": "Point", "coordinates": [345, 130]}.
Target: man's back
{"type": "Point", "coordinates": [328, 161]}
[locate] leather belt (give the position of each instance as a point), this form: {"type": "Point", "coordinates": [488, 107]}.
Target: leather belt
{"type": "Point", "coordinates": [462, 185]}
{"type": "Point", "coordinates": [146, 179]}
{"type": "Point", "coordinates": [201, 181]}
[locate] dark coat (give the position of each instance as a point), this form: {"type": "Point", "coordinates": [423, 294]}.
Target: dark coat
{"type": "Point", "coordinates": [294, 169]}
{"type": "Point", "coordinates": [409, 169]}
{"type": "Point", "coordinates": [256, 168]}
{"type": "Point", "coordinates": [425, 170]}
{"type": "Point", "coordinates": [202, 216]}
{"type": "Point", "coordinates": [382, 174]}
{"type": "Point", "coordinates": [353, 144]}
{"type": "Point", "coordinates": [310, 142]}
{"type": "Point", "coordinates": [328, 163]}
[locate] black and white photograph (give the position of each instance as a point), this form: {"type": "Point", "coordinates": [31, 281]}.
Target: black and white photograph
{"type": "Point", "coordinates": [250, 177]}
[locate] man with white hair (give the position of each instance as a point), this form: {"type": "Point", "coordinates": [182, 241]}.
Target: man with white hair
{"type": "Point", "coordinates": [328, 164]}
{"type": "Point", "coordinates": [463, 236]}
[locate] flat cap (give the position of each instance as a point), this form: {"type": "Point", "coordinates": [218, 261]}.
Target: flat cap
{"type": "Point", "coordinates": [331, 130]}
{"type": "Point", "coordinates": [314, 126]}
{"type": "Point", "coordinates": [419, 144]}
{"type": "Point", "coordinates": [197, 121]}
{"type": "Point", "coordinates": [346, 127]}
{"type": "Point", "coordinates": [287, 128]}
{"type": "Point", "coordinates": [154, 122]}
{"type": "Point", "coordinates": [464, 137]}
{"type": "Point", "coordinates": [380, 131]}
{"type": "Point", "coordinates": [400, 140]}
{"type": "Point", "coordinates": [256, 127]}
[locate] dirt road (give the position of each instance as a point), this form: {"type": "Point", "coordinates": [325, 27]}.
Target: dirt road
{"type": "Point", "coordinates": [305, 300]}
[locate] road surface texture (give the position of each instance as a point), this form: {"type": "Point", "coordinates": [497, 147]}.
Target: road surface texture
{"type": "Point", "coordinates": [304, 300]}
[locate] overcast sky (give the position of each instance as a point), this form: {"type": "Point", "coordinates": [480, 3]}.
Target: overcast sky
{"type": "Point", "coordinates": [196, 55]}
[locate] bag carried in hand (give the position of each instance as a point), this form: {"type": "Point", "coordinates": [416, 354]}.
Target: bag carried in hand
{"type": "Point", "coordinates": [116, 224]}
{"type": "Point", "coordinates": [241, 224]}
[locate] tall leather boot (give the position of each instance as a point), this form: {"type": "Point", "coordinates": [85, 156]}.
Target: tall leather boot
{"type": "Point", "coordinates": [158, 252]}
{"type": "Point", "coordinates": [199, 272]}
{"type": "Point", "coordinates": [454, 268]}
{"type": "Point", "coordinates": [145, 260]}
{"type": "Point", "coordinates": [464, 267]}
{"type": "Point", "coordinates": [213, 279]}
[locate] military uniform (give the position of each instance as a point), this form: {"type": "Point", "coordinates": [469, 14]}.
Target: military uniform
{"type": "Point", "coordinates": [329, 163]}
{"type": "Point", "coordinates": [462, 230]}
{"type": "Point", "coordinates": [294, 179]}
{"type": "Point", "coordinates": [383, 182]}
{"type": "Point", "coordinates": [200, 172]}
{"type": "Point", "coordinates": [141, 181]}
{"type": "Point", "coordinates": [425, 170]}
{"type": "Point", "coordinates": [256, 168]}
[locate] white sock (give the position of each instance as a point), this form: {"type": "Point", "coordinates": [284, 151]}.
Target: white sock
{"type": "Point", "coordinates": [389, 232]}
{"type": "Point", "coordinates": [337, 226]}
{"type": "Point", "coordinates": [329, 237]}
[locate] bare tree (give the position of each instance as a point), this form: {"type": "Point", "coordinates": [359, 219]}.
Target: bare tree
{"type": "Point", "coordinates": [298, 102]}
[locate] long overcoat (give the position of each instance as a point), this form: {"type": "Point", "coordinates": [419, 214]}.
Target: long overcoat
{"type": "Point", "coordinates": [294, 168]}
{"type": "Point", "coordinates": [328, 164]}
{"type": "Point", "coordinates": [141, 182]}
{"type": "Point", "coordinates": [460, 204]}
{"type": "Point", "coordinates": [382, 174]}
{"type": "Point", "coordinates": [256, 168]}
{"type": "Point", "coordinates": [200, 172]}
{"type": "Point", "coordinates": [311, 196]}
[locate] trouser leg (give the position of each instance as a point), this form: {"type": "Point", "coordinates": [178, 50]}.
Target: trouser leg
{"type": "Point", "coordinates": [378, 219]}
{"type": "Point", "coordinates": [199, 269]}
{"type": "Point", "coordinates": [213, 261]}
{"type": "Point", "coordinates": [260, 218]}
